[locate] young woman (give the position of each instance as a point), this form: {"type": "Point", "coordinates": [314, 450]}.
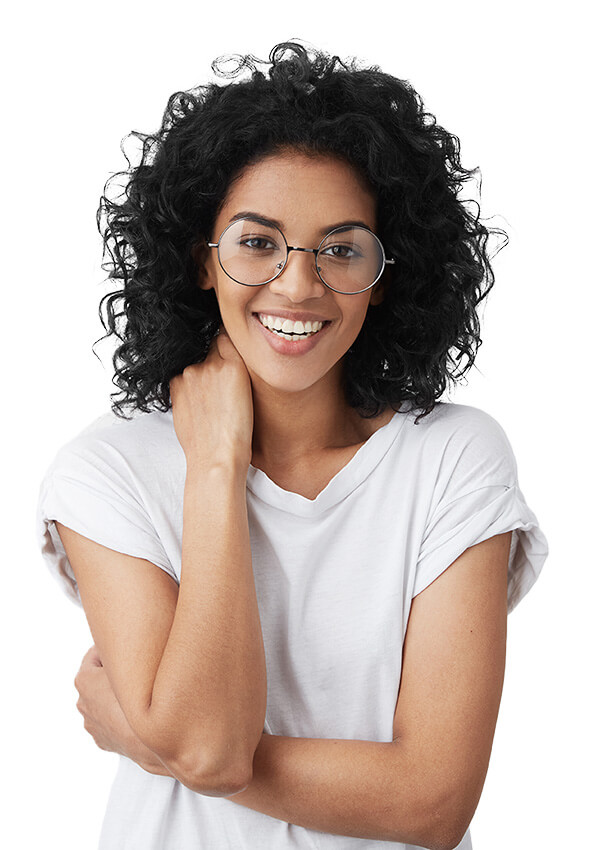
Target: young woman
{"type": "Point", "coordinates": [295, 561]}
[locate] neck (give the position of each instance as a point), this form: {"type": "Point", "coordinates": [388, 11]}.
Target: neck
{"type": "Point", "coordinates": [291, 427]}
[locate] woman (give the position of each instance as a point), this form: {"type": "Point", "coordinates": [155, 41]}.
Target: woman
{"type": "Point", "coordinates": [297, 589]}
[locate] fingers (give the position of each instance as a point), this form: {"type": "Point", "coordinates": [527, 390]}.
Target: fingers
{"type": "Point", "coordinates": [223, 342]}
{"type": "Point", "coordinates": [223, 345]}
{"type": "Point", "coordinates": [92, 657]}
{"type": "Point", "coordinates": [90, 660]}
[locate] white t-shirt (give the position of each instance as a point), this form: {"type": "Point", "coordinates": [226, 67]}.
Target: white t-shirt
{"type": "Point", "coordinates": [334, 576]}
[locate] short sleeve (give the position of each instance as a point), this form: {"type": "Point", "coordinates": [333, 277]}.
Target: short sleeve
{"type": "Point", "coordinates": [93, 495]}
{"type": "Point", "coordinates": [478, 497]}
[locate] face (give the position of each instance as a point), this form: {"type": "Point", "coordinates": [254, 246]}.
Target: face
{"type": "Point", "coordinates": [308, 196]}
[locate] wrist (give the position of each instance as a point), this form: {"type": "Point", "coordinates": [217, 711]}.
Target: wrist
{"type": "Point", "coordinates": [228, 466]}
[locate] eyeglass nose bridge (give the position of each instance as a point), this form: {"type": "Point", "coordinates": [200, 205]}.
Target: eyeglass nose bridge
{"type": "Point", "coordinates": [282, 264]}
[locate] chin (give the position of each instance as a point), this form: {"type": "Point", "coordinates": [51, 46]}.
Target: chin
{"type": "Point", "coordinates": [289, 379]}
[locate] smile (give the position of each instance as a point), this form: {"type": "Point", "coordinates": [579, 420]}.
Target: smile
{"type": "Point", "coordinates": [287, 329]}
{"type": "Point", "coordinates": [290, 337]}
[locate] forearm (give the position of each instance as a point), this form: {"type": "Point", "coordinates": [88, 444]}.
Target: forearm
{"type": "Point", "coordinates": [363, 789]}
{"type": "Point", "coordinates": [342, 787]}
{"type": "Point", "coordinates": [209, 693]}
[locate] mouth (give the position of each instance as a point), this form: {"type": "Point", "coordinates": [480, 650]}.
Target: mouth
{"type": "Point", "coordinates": [289, 329]}
{"type": "Point", "coordinates": [296, 338]}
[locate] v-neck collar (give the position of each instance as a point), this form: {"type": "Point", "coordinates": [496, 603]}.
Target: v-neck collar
{"type": "Point", "coordinates": [344, 482]}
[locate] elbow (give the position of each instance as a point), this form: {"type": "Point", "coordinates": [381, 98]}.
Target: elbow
{"type": "Point", "coordinates": [440, 822]}
{"type": "Point", "coordinates": [445, 829]}
{"type": "Point", "coordinates": [445, 840]}
{"type": "Point", "coordinates": [218, 774]}
{"type": "Point", "coordinates": [439, 802]}
{"type": "Point", "coordinates": [211, 774]}
{"type": "Point", "coordinates": [212, 779]}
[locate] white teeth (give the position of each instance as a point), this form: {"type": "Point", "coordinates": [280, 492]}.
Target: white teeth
{"type": "Point", "coordinates": [287, 326]}
{"type": "Point", "coordinates": [291, 336]}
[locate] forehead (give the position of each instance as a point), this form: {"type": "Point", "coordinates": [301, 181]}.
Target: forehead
{"type": "Point", "coordinates": [301, 190]}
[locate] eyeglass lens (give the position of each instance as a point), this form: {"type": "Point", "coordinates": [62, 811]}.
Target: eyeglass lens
{"type": "Point", "coordinates": [349, 259]}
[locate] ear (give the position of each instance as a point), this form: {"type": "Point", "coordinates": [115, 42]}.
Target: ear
{"type": "Point", "coordinates": [377, 294]}
{"type": "Point", "coordinates": [378, 291]}
{"type": "Point", "coordinates": [202, 256]}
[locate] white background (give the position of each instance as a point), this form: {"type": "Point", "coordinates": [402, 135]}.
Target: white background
{"type": "Point", "coordinates": [507, 79]}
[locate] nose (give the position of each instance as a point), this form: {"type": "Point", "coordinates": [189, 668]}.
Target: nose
{"type": "Point", "coordinates": [299, 280]}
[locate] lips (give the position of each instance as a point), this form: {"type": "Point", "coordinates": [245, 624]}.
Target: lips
{"type": "Point", "coordinates": [291, 346]}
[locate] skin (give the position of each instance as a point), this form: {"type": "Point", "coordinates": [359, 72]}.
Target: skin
{"type": "Point", "coordinates": [287, 415]}
{"type": "Point", "coordinates": [300, 414]}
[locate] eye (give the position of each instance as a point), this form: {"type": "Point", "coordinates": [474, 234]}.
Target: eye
{"type": "Point", "coordinates": [256, 243]}
{"type": "Point", "coordinates": [341, 252]}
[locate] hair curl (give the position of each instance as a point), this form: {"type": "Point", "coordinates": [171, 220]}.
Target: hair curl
{"type": "Point", "coordinates": [413, 342]}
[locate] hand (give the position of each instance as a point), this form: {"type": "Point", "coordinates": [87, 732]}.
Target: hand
{"type": "Point", "coordinates": [105, 721]}
{"type": "Point", "coordinates": [104, 718]}
{"type": "Point", "coordinates": [212, 406]}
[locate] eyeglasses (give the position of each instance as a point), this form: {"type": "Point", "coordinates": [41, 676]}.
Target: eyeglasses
{"type": "Point", "coordinates": [349, 259]}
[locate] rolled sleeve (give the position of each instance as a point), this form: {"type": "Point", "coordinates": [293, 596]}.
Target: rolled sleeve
{"type": "Point", "coordinates": [94, 501]}
{"type": "Point", "coordinates": [477, 516]}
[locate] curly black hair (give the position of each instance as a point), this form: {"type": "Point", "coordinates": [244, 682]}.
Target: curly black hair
{"type": "Point", "coordinates": [413, 342]}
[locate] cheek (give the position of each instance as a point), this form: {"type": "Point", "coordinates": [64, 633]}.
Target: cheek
{"type": "Point", "coordinates": [358, 315]}
{"type": "Point", "coordinates": [234, 304]}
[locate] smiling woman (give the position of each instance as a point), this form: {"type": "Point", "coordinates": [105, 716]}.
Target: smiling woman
{"type": "Point", "coordinates": [297, 588]}
{"type": "Point", "coordinates": [306, 194]}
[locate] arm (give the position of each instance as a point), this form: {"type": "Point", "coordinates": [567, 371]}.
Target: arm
{"type": "Point", "coordinates": [423, 787]}
{"type": "Point", "coordinates": [188, 666]}
{"type": "Point", "coordinates": [104, 718]}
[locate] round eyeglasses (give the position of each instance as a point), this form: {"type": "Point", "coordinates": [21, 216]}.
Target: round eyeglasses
{"type": "Point", "coordinates": [349, 259]}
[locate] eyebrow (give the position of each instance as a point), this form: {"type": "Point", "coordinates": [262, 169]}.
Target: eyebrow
{"type": "Point", "coordinates": [261, 219]}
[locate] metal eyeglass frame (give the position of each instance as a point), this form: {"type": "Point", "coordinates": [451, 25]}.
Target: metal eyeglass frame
{"type": "Point", "coordinates": [314, 251]}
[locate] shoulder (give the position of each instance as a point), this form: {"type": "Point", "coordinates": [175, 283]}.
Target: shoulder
{"type": "Point", "coordinates": [452, 425]}
{"type": "Point", "coordinates": [458, 440]}
{"type": "Point", "coordinates": [118, 431]}
{"type": "Point", "coordinates": [108, 484]}
{"type": "Point", "coordinates": [449, 419]}
{"type": "Point", "coordinates": [111, 444]}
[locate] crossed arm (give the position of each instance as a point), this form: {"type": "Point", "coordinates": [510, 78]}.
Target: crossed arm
{"type": "Point", "coordinates": [421, 788]}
